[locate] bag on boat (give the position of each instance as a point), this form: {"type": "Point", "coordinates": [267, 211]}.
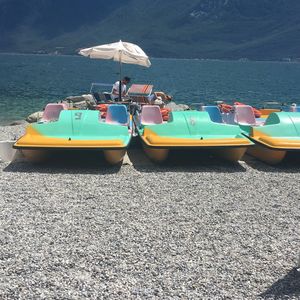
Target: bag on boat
{"type": "Point", "coordinates": [177, 107]}
{"type": "Point", "coordinates": [80, 102]}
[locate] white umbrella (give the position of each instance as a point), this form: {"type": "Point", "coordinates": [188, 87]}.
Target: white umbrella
{"type": "Point", "coordinates": [122, 52]}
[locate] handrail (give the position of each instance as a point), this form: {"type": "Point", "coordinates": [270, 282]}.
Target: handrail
{"type": "Point", "coordinates": [100, 84]}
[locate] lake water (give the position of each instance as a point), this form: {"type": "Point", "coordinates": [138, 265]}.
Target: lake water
{"type": "Point", "coordinates": [28, 82]}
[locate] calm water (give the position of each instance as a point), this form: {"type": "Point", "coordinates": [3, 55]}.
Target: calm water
{"type": "Point", "coordinates": [28, 82]}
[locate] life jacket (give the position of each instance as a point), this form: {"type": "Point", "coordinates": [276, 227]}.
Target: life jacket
{"type": "Point", "coordinates": [225, 108]}
{"type": "Point", "coordinates": [165, 113]}
{"type": "Point", "coordinates": [103, 110]}
{"type": "Point", "coordinates": [102, 107]}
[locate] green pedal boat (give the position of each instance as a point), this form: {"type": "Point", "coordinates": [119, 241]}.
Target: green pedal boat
{"type": "Point", "coordinates": [81, 130]}
{"type": "Point", "coordinates": [187, 130]}
{"type": "Point", "coordinates": [279, 135]}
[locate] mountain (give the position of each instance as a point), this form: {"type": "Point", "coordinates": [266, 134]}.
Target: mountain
{"type": "Point", "coordinates": [254, 29]}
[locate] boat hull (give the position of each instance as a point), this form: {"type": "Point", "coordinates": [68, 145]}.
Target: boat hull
{"type": "Point", "coordinates": [75, 130]}
{"type": "Point", "coordinates": [35, 155]}
{"type": "Point", "coordinates": [267, 155]}
{"type": "Point", "coordinates": [232, 154]}
{"type": "Point", "coordinates": [277, 137]}
{"type": "Point", "coordinates": [193, 130]}
{"type": "Point", "coordinates": [112, 157]}
{"type": "Point", "coordinates": [157, 155]}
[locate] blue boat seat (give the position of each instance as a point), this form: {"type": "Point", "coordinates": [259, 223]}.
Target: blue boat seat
{"type": "Point", "coordinates": [117, 114]}
{"type": "Point", "coordinates": [214, 113]}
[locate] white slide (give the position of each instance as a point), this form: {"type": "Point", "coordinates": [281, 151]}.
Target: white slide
{"type": "Point", "coordinates": [7, 152]}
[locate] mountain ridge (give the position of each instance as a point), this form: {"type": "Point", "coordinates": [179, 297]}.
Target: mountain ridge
{"type": "Point", "coordinates": [221, 29]}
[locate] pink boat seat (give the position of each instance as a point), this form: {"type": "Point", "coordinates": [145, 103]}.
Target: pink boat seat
{"type": "Point", "coordinates": [244, 115]}
{"type": "Point", "coordinates": [52, 111]}
{"type": "Point", "coordinates": [151, 115]}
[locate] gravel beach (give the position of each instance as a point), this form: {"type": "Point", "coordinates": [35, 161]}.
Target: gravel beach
{"type": "Point", "coordinates": [11, 133]}
{"type": "Point", "coordinates": [204, 230]}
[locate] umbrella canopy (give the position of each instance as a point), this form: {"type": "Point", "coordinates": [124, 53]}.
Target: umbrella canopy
{"type": "Point", "coordinates": [122, 52]}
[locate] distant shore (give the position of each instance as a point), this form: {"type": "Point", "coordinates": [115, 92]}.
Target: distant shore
{"type": "Point", "coordinates": [241, 59]}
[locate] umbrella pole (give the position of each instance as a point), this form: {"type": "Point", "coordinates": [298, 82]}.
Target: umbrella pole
{"type": "Point", "coordinates": [120, 83]}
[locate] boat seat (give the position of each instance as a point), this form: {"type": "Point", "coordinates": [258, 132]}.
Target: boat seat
{"type": "Point", "coordinates": [295, 109]}
{"type": "Point", "coordinates": [117, 114]}
{"type": "Point", "coordinates": [228, 118]}
{"type": "Point", "coordinates": [214, 113]}
{"type": "Point", "coordinates": [151, 115]}
{"type": "Point", "coordinates": [244, 115]}
{"type": "Point", "coordinates": [52, 111]}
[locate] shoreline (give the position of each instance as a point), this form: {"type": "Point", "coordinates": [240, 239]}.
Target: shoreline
{"type": "Point", "coordinates": [244, 60]}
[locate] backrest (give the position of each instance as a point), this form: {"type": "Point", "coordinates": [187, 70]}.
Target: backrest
{"type": "Point", "coordinates": [228, 118]}
{"type": "Point", "coordinates": [151, 115]}
{"type": "Point", "coordinates": [52, 111]}
{"type": "Point", "coordinates": [214, 113]}
{"type": "Point", "coordinates": [117, 114]}
{"type": "Point", "coordinates": [244, 114]}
